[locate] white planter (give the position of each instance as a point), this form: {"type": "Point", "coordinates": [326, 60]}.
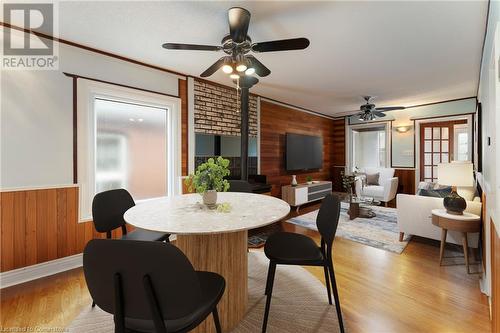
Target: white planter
{"type": "Point", "coordinates": [210, 198]}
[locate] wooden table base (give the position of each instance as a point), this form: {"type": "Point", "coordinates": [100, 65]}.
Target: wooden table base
{"type": "Point", "coordinates": [225, 254]}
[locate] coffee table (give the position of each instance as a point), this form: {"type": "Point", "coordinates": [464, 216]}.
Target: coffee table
{"type": "Point", "coordinates": [361, 207]}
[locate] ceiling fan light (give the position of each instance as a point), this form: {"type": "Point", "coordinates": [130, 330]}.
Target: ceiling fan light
{"type": "Point", "coordinates": [234, 76]}
{"type": "Point", "coordinates": [228, 69]}
{"type": "Point", "coordinates": [250, 71]}
{"type": "Point", "coordinates": [241, 67]}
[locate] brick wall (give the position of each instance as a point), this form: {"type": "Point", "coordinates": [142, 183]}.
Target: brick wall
{"type": "Point", "coordinates": [217, 110]}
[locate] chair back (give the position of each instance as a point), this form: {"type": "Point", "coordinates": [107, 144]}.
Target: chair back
{"type": "Point", "coordinates": [328, 219]}
{"type": "Point", "coordinates": [239, 186]}
{"type": "Point", "coordinates": [384, 173]}
{"type": "Point", "coordinates": [108, 208]}
{"type": "Point", "coordinates": [116, 272]}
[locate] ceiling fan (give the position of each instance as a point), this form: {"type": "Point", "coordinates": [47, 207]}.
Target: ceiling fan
{"type": "Point", "coordinates": [369, 111]}
{"type": "Point", "coordinates": [237, 45]}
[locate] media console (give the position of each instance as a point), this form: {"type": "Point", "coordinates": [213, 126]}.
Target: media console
{"type": "Point", "coordinates": [305, 193]}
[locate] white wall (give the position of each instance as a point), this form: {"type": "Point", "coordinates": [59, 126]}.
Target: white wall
{"type": "Point", "coordinates": [403, 143]}
{"type": "Point", "coordinates": [488, 96]}
{"type": "Point", "coordinates": [37, 112]}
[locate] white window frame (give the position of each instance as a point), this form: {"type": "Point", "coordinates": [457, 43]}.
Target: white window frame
{"type": "Point", "coordinates": [462, 128]}
{"type": "Point", "coordinates": [87, 91]}
{"type": "Point", "coordinates": [350, 143]}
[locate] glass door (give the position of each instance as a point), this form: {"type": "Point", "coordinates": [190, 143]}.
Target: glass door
{"type": "Point", "coordinates": [436, 146]}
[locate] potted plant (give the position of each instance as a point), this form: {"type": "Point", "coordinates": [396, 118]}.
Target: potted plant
{"type": "Point", "coordinates": [309, 180]}
{"type": "Point", "coordinates": [209, 179]}
{"type": "Point", "coordinates": [347, 183]}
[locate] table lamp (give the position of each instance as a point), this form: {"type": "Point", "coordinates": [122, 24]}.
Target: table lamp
{"type": "Point", "coordinates": [455, 174]}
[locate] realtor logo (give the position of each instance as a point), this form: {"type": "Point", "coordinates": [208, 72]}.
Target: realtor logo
{"type": "Point", "coordinates": [23, 50]}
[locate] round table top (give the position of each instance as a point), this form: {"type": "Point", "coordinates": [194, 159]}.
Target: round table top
{"type": "Point", "coordinates": [186, 214]}
{"type": "Point", "coordinates": [465, 217]}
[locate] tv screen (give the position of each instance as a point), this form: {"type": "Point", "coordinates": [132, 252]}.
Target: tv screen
{"type": "Point", "coordinates": [303, 152]}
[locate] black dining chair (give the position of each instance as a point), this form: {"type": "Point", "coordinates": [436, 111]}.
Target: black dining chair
{"type": "Point", "coordinates": [286, 248]}
{"type": "Point", "coordinates": [108, 208]}
{"type": "Point", "coordinates": [239, 186]}
{"type": "Point", "coordinates": [150, 286]}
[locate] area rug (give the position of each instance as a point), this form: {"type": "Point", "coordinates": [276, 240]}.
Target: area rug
{"type": "Point", "coordinates": [380, 231]}
{"type": "Point", "coordinates": [299, 304]}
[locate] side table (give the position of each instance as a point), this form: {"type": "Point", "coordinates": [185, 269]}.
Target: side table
{"type": "Point", "coordinates": [462, 223]}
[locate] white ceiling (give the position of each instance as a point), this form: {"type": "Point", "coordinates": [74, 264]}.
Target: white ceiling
{"type": "Point", "coordinates": [404, 52]}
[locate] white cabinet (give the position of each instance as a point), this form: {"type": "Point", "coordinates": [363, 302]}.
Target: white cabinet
{"type": "Point", "coordinates": [304, 193]}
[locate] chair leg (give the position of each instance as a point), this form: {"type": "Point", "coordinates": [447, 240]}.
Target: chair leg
{"type": "Point", "coordinates": [268, 278]}
{"type": "Point", "coordinates": [327, 281]}
{"type": "Point", "coordinates": [215, 314]}
{"type": "Point", "coordinates": [336, 296]}
{"type": "Point", "coordinates": [269, 293]}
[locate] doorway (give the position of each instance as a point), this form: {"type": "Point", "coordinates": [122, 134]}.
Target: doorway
{"type": "Point", "coordinates": [438, 144]}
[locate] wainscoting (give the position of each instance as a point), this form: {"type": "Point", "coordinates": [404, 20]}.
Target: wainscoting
{"type": "Point", "coordinates": [406, 182]}
{"type": "Point", "coordinates": [275, 121]}
{"type": "Point", "coordinates": [495, 278]}
{"type": "Point", "coordinates": [42, 225]}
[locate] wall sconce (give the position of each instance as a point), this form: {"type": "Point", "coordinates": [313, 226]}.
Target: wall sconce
{"type": "Point", "coordinates": [403, 129]}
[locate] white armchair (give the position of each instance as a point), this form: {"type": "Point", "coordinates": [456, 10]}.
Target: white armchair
{"type": "Point", "coordinates": [385, 191]}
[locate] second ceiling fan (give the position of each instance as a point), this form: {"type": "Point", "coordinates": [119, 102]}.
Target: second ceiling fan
{"type": "Point", "coordinates": [369, 111]}
{"type": "Point", "coordinates": [237, 46]}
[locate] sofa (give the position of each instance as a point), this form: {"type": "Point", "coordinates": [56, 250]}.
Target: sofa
{"type": "Point", "coordinates": [415, 217]}
{"type": "Point", "coordinates": [385, 191]}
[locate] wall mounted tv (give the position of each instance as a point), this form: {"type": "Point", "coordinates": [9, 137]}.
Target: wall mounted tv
{"type": "Point", "coordinates": [303, 152]}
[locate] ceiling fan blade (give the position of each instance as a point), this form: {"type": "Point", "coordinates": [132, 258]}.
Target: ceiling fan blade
{"type": "Point", "coordinates": [239, 19]}
{"type": "Point", "coordinates": [179, 46]}
{"type": "Point", "coordinates": [391, 108]}
{"type": "Point", "coordinates": [212, 69]}
{"type": "Point", "coordinates": [379, 114]}
{"type": "Point", "coordinates": [259, 67]}
{"type": "Point", "coordinates": [281, 45]}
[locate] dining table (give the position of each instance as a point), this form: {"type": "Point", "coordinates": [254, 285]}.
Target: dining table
{"type": "Point", "coordinates": [213, 239]}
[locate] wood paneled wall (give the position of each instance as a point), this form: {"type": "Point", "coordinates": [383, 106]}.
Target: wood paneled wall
{"type": "Point", "coordinates": [406, 181]}
{"type": "Point", "coordinates": [41, 225]}
{"type": "Point", "coordinates": [275, 121]}
{"type": "Point", "coordinates": [495, 278]}
{"type": "Point", "coordinates": [183, 94]}
{"type": "Point", "coordinates": [338, 153]}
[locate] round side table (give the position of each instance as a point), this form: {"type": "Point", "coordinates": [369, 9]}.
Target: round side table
{"type": "Point", "coordinates": [462, 223]}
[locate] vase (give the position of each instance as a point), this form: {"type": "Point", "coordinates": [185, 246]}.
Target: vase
{"type": "Point", "coordinates": [294, 180]}
{"type": "Point", "coordinates": [210, 198]}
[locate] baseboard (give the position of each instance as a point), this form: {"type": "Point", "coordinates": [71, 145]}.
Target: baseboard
{"type": "Point", "coordinates": [25, 274]}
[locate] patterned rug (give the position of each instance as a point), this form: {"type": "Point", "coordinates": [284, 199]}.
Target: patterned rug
{"type": "Point", "coordinates": [299, 304]}
{"type": "Point", "coordinates": [380, 231]}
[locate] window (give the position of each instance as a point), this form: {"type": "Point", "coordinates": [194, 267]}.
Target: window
{"type": "Point", "coordinates": [461, 143]}
{"type": "Point", "coordinates": [131, 148]}
{"type": "Point", "coordinates": [126, 139]}
{"type": "Point", "coordinates": [369, 147]}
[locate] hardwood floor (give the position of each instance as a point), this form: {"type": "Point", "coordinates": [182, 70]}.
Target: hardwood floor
{"type": "Point", "coordinates": [379, 292]}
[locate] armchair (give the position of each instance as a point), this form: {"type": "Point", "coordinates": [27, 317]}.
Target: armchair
{"type": "Point", "coordinates": [385, 191]}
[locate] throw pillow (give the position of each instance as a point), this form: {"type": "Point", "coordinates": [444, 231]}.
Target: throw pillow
{"type": "Point", "coordinates": [440, 193]}
{"type": "Point", "coordinates": [372, 179]}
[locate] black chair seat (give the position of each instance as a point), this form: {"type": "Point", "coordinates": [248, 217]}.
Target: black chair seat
{"type": "Point", "coordinates": [212, 286]}
{"type": "Point", "coordinates": [291, 248]}
{"type": "Point", "coordinates": [145, 235]}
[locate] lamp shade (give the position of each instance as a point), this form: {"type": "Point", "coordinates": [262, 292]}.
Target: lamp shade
{"type": "Point", "coordinates": [456, 174]}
